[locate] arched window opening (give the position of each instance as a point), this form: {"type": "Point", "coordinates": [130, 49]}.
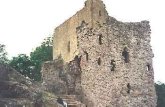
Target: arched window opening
{"type": "Point", "coordinates": [113, 65]}
{"type": "Point", "coordinates": [99, 61]}
{"type": "Point", "coordinates": [125, 54]}
{"type": "Point", "coordinates": [100, 39]}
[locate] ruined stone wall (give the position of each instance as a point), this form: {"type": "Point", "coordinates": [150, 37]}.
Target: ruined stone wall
{"type": "Point", "coordinates": [116, 65]}
{"type": "Point", "coordinates": [52, 77]}
{"type": "Point", "coordinates": [65, 37]}
{"type": "Point", "coordinates": [115, 68]}
{"type": "Point", "coordinates": [62, 79]}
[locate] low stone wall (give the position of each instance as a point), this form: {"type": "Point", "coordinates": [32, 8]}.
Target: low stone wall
{"type": "Point", "coordinates": [61, 78]}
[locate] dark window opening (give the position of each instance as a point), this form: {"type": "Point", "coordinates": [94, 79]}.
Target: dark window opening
{"type": "Point", "coordinates": [125, 54]}
{"type": "Point", "coordinates": [83, 23]}
{"type": "Point", "coordinates": [78, 59]}
{"type": "Point", "coordinates": [128, 88]}
{"type": "Point", "coordinates": [113, 65]}
{"type": "Point", "coordinates": [100, 13]}
{"type": "Point", "coordinates": [68, 46]}
{"type": "Point", "coordinates": [85, 3]}
{"type": "Point", "coordinates": [99, 61]}
{"type": "Point", "coordinates": [86, 55]}
{"type": "Point", "coordinates": [100, 39]}
{"type": "Point", "coordinates": [148, 67]}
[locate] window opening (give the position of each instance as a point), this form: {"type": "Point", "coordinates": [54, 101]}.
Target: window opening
{"type": "Point", "coordinates": [100, 39]}
{"type": "Point", "coordinates": [125, 54]}
{"type": "Point", "coordinates": [99, 61]}
{"type": "Point", "coordinates": [99, 12]}
{"type": "Point", "coordinates": [112, 65]}
{"type": "Point", "coordinates": [148, 67]}
{"type": "Point", "coordinates": [68, 46]}
{"type": "Point", "coordinates": [86, 55]}
{"type": "Point", "coordinates": [128, 88]}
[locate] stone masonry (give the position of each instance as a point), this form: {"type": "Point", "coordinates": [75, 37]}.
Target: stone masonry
{"type": "Point", "coordinates": [65, 37]}
{"type": "Point", "coordinates": [107, 63]}
{"type": "Point", "coordinates": [116, 64]}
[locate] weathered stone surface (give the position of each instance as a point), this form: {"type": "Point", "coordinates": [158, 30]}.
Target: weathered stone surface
{"type": "Point", "coordinates": [67, 31]}
{"type": "Point", "coordinates": [9, 74]}
{"type": "Point", "coordinates": [61, 78]}
{"type": "Point", "coordinates": [64, 80]}
{"type": "Point", "coordinates": [125, 47]}
{"type": "Point", "coordinates": [13, 84]}
{"type": "Point", "coordinates": [6, 102]}
{"type": "Point", "coordinates": [53, 76]}
{"type": "Point", "coordinates": [115, 58]}
{"type": "Point", "coordinates": [18, 91]}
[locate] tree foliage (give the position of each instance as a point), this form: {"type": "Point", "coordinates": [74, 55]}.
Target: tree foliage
{"type": "Point", "coordinates": [160, 91]}
{"type": "Point", "coordinates": [41, 54]}
{"type": "Point", "coordinates": [3, 54]}
{"type": "Point", "coordinates": [31, 66]}
{"type": "Point", "coordinates": [22, 64]}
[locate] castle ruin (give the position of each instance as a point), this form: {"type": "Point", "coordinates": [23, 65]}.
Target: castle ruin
{"type": "Point", "coordinates": [102, 61]}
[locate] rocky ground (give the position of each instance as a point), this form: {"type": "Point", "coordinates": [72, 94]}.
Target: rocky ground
{"type": "Point", "coordinates": [19, 91]}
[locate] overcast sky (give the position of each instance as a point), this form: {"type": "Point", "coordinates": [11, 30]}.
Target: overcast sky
{"type": "Point", "coordinates": [25, 23]}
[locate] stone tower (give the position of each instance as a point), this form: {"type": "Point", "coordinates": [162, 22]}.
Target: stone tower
{"type": "Point", "coordinates": [93, 13]}
{"type": "Point", "coordinates": [114, 58]}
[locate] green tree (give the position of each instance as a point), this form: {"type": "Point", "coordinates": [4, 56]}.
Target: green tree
{"type": "Point", "coordinates": [41, 54]}
{"type": "Point", "coordinates": [3, 54]}
{"type": "Point", "coordinates": [23, 65]}
{"type": "Point", "coordinates": [31, 66]}
{"type": "Point", "coordinates": [160, 91]}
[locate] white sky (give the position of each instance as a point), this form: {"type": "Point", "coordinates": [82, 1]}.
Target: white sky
{"type": "Point", "coordinates": [25, 23]}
